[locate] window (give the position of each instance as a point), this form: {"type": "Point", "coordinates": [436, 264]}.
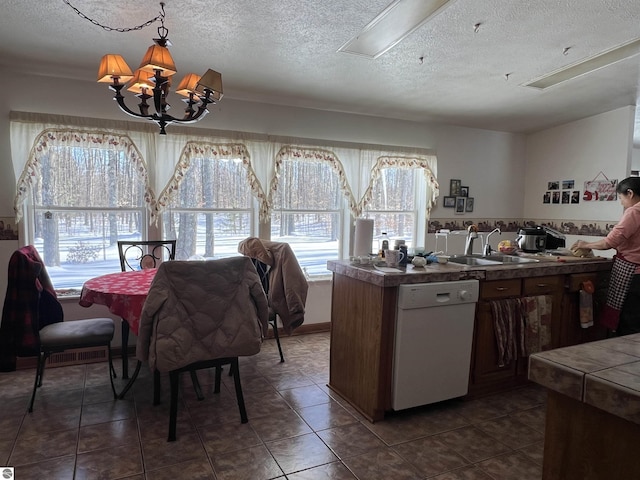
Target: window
{"type": "Point", "coordinates": [81, 191]}
{"type": "Point", "coordinates": [211, 210]}
{"type": "Point", "coordinates": [394, 201]}
{"type": "Point", "coordinates": [86, 195]}
{"type": "Point", "coordinates": [308, 207]}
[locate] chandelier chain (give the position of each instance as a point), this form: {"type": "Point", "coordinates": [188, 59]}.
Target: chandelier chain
{"type": "Point", "coordinates": [160, 17]}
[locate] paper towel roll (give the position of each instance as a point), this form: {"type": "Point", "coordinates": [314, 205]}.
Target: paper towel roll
{"type": "Point", "coordinates": [363, 237]}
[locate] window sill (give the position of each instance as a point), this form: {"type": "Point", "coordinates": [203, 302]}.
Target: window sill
{"type": "Point", "coordinates": [65, 296]}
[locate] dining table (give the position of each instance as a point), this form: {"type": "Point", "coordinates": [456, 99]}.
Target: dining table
{"type": "Point", "coordinates": [124, 294]}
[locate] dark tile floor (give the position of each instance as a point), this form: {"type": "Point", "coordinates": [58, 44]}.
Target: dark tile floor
{"type": "Point", "coordinates": [298, 429]}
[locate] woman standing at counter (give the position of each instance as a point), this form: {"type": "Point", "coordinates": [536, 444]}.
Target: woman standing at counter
{"type": "Point", "coordinates": [622, 310]}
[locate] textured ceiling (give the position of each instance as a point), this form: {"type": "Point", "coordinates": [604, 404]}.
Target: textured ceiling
{"type": "Point", "coordinates": [285, 52]}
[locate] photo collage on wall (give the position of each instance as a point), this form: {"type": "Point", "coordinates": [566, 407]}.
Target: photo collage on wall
{"type": "Point", "coordinates": [561, 192]}
{"type": "Point", "coordinates": [458, 198]}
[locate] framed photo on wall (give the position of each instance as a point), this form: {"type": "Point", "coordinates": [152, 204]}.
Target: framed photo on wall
{"type": "Point", "coordinates": [454, 187]}
{"type": "Point", "coordinates": [464, 191]}
{"type": "Point", "coordinates": [449, 202]}
{"type": "Point", "coordinates": [6, 230]}
{"type": "Point", "coordinates": [460, 204]}
{"type": "Point", "coordinates": [469, 205]}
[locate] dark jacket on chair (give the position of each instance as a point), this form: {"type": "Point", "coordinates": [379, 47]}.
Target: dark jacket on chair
{"type": "Point", "coordinates": [29, 305]}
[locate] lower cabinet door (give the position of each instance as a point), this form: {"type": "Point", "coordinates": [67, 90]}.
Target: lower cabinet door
{"type": "Point", "coordinates": [486, 373]}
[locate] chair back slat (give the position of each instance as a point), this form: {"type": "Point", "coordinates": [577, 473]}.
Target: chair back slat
{"type": "Point", "coordinates": [263, 273]}
{"type": "Point", "coordinates": [143, 254]}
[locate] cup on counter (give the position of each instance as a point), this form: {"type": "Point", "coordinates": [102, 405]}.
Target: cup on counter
{"type": "Point", "coordinates": [365, 260]}
{"type": "Point", "coordinates": [393, 257]}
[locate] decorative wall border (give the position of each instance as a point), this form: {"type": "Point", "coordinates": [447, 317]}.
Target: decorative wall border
{"type": "Point", "coordinates": [567, 227]}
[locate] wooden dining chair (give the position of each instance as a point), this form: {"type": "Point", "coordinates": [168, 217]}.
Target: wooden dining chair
{"type": "Point", "coordinates": [33, 320]}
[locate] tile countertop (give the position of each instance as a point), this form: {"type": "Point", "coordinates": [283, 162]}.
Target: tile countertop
{"type": "Point", "coordinates": [604, 374]}
{"type": "Point", "coordinates": [448, 272]}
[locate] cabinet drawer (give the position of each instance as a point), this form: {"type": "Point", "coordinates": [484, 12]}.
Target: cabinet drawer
{"type": "Point", "coordinates": [500, 289]}
{"type": "Point", "coordinates": [575, 280]}
{"type": "Point", "coordinates": [542, 285]}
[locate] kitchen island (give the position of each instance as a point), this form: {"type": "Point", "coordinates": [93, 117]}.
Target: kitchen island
{"type": "Point", "coordinates": [363, 318]}
{"type": "Point", "coordinates": [593, 409]}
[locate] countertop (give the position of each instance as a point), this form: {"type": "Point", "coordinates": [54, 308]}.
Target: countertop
{"type": "Point", "coordinates": [435, 272]}
{"type": "Point", "coordinates": [604, 374]}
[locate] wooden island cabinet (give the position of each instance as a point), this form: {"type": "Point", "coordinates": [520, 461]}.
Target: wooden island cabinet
{"type": "Point", "coordinates": [592, 427]}
{"type": "Point", "coordinates": [363, 317]}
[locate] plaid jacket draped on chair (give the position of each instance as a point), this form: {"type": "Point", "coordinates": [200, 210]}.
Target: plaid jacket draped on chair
{"type": "Point", "coordinates": [26, 309]}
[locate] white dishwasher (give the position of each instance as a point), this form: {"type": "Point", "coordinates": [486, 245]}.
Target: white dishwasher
{"type": "Point", "coordinates": [433, 338]}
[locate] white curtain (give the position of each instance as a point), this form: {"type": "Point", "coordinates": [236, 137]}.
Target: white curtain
{"type": "Point", "coordinates": [427, 164]}
{"type": "Point", "coordinates": [357, 164]}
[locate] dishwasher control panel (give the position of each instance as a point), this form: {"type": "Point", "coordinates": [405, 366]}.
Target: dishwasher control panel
{"type": "Point", "coordinates": [423, 295]}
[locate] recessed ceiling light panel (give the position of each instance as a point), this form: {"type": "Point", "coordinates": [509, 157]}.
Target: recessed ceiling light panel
{"type": "Point", "coordinates": [396, 22]}
{"type": "Point", "coordinates": [583, 67]}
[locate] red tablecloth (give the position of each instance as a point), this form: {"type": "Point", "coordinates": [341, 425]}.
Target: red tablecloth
{"type": "Point", "coordinates": [123, 293]}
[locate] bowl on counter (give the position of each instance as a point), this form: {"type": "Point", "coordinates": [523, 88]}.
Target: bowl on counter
{"type": "Point", "coordinates": [507, 247]}
{"type": "Point", "coordinates": [443, 259]}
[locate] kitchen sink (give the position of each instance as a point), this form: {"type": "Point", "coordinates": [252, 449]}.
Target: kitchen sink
{"type": "Point", "coordinates": [473, 260]}
{"type": "Point", "coordinates": [513, 259]}
{"type": "Point", "coordinates": [491, 260]}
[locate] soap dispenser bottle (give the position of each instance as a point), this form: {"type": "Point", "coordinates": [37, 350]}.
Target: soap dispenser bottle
{"type": "Point", "coordinates": [383, 244]}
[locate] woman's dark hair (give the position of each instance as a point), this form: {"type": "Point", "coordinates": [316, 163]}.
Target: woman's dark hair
{"type": "Point", "coordinates": [629, 183]}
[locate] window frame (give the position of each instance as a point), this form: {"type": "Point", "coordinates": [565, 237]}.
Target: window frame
{"type": "Point", "coordinates": [30, 188]}
{"type": "Point", "coordinates": [419, 213]}
{"type": "Point", "coordinates": [345, 197]}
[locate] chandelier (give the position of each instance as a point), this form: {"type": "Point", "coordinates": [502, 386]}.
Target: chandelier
{"type": "Point", "coordinates": [152, 81]}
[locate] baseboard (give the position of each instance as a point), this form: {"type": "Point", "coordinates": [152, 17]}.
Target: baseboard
{"type": "Point", "coordinates": [76, 356]}
{"type": "Point", "coordinates": [99, 354]}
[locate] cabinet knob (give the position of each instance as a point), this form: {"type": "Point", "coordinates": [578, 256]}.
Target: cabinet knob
{"type": "Point", "coordinates": [501, 289]}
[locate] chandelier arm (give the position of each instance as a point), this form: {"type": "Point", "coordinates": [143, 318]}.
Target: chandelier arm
{"type": "Point", "coordinates": [158, 100]}
{"type": "Point", "coordinates": [202, 111]}
{"type": "Point", "coordinates": [118, 97]}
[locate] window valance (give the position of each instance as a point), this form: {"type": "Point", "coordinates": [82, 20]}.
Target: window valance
{"type": "Point", "coordinates": [163, 159]}
{"type": "Point", "coordinates": [433, 188]}
{"type": "Point", "coordinates": [213, 150]}
{"type": "Point", "coordinates": [51, 140]}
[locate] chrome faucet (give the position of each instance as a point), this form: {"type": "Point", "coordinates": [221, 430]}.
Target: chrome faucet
{"type": "Point", "coordinates": [487, 246]}
{"type": "Point", "coordinates": [472, 234]}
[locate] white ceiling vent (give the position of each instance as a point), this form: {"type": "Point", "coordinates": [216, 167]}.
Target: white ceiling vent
{"type": "Point", "coordinates": [583, 67]}
{"type": "Point", "coordinates": [389, 28]}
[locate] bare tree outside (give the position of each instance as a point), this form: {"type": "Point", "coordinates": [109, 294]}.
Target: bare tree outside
{"type": "Point", "coordinates": [211, 211]}
{"type": "Point", "coordinates": [84, 200]}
